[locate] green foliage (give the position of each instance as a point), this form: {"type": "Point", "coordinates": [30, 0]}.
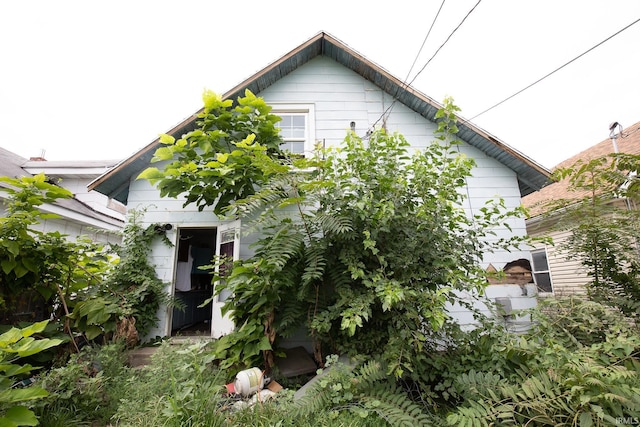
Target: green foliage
{"type": "Point", "coordinates": [40, 268]}
{"type": "Point", "coordinates": [218, 162]}
{"type": "Point", "coordinates": [565, 372]}
{"type": "Point", "coordinates": [131, 292]}
{"type": "Point", "coordinates": [604, 223]}
{"type": "Point", "coordinates": [87, 386]}
{"type": "Point", "coordinates": [179, 388]}
{"type": "Point", "coordinates": [241, 349]}
{"type": "Point", "coordinates": [578, 366]}
{"type": "Point", "coordinates": [14, 345]}
{"type": "Point", "coordinates": [344, 246]}
{"type": "Point", "coordinates": [367, 392]}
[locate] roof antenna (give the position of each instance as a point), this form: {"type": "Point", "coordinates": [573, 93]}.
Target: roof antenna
{"type": "Point", "coordinates": [613, 136]}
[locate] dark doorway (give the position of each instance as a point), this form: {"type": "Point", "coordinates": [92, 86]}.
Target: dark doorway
{"type": "Point", "coordinates": [196, 248]}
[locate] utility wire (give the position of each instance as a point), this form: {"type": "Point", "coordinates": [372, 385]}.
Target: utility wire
{"type": "Point", "coordinates": [554, 71]}
{"type": "Point", "coordinates": [445, 42]}
{"type": "Point", "coordinates": [433, 23]}
{"type": "Point", "coordinates": [405, 84]}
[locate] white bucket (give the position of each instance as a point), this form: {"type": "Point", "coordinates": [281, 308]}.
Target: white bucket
{"type": "Point", "coordinates": [249, 381]}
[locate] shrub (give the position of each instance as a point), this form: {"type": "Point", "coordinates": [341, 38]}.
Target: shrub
{"type": "Point", "coordinates": [571, 369]}
{"type": "Point", "coordinates": [87, 388]}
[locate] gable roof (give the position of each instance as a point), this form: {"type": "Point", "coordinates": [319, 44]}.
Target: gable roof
{"type": "Point", "coordinates": [628, 142]}
{"type": "Point", "coordinates": [15, 166]}
{"type": "Point", "coordinates": [531, 175]}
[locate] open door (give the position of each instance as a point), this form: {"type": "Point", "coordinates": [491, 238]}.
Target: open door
{"type": "Point", "coordinates": [228, 245]}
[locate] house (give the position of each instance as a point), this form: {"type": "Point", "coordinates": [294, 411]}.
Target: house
{"type": "Point", "coordinates": [325, 88]}
{"type": "Point", "coordinates": [556, 274]}
{"type": "Point", "coordinates": [88, 213]}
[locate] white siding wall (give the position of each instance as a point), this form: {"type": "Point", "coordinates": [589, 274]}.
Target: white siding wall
{"type": "Point", "coordinates": [93, 199]}
{"type": "Point", "coordinates": [74, 230]}
{"type": "Point", "coordinates": [71, 229]}
{"type": "Point", "coordinates": [339, 97]}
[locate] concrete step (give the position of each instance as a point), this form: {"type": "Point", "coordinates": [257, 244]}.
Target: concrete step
{"type": "Point", "coordinates": [140, 356]}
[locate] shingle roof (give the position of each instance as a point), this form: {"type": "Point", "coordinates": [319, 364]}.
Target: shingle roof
{"type": "Point", "coordinates": [10, 164]}
{"type": "Point", "coordinates": [531, 175]}
{"type": "Point", "coordinates": [628, 142]}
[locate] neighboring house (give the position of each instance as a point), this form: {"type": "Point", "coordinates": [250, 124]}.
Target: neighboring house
{"type": "Point", "coordinates": [554, 273]}
{"type": "Point", "coordinates": [322, 88]}
{"type": "Point", "coordinates": [88, 213]}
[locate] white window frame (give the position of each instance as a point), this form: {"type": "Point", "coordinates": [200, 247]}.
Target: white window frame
{"type": "Point", "coordinates": [535, 272]}
{"type": "Point", "coordinates": [306, 110]}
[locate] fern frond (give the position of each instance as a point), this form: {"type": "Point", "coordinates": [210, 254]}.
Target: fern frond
{"type": "Point", "coordinates": [477, 383]}
{"type": "Point", "coordinates": [332, 224]}
{"type": "Point", "coordinates": [282, 244]}
{"type": "Point", "coordinates": [393, 405]}
{"type": "Point", "coordinates": [316, 399]}
{"type": "Point", "coordinates": [315, 263]}
{"type": "Point", "coordinates": [371, 372]}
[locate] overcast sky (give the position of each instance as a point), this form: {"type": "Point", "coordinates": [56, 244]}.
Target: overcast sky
{"type": "Point", "coordinates": [89, 80]}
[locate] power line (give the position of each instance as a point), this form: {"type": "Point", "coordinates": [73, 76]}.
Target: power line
{"type": "Point", "coordinates": [424, 42]}
{"type": "Point", "coordinates": [554, 71]}
{"type": "Point", "coordinates": [445, 42]}
{"type": "Point", "coordinates": [388, 109]}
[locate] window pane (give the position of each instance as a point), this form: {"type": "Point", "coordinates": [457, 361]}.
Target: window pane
{"type": "Point", "coordinates": [295, 147]}
{"type": "Point", "coordinates": [294, 132]}
{"type": "Point", "coordinates": [539, 261]}
{"type": "Point", "coordinates": [297, 121]}
{"type": "Point", "coordinates": [286, 122]}
{"type": "Point", "coordinates": [543, 280]}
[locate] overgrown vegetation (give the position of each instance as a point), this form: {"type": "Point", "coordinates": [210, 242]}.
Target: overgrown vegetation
{"type": "Point", "coordinates": [125, 304]}
{"type": "Point", "coordinates": [362, 246]}
{"type": "Point", "coordinates": [89, 291]}
{"type": "Point", "coordinates": [40, 268]}
{"type": "Point", "coordinates": [577, 366]}
{"type": "Point", "coordinates": [602, 216]}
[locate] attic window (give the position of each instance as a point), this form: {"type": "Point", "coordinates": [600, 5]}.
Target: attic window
{"type": "Point", "coordinates": [296, 128]}
{"type": "Point", "coordinates": [293, 129]}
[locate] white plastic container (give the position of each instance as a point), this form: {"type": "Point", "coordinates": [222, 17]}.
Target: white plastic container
{"type": "Point", "coordinates": [249, 381]}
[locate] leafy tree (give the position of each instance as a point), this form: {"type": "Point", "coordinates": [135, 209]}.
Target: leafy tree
{"type": "Point", "coordinates": [213, 164]}
{"type": "Point", "coordinates": [603, 221]}
{"type": "Point", "coordinates": [39, 268]}
{"type": "Point", "coordinates": [364, 245]}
